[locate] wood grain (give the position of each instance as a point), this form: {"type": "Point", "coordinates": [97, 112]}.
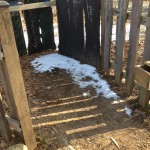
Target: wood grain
{"type": "Point", "coordinates": [134, 37]}
{"type": "Point", "coordinates": [15, 77]}
{"type": "Point", "coordinates": [120, 39]}
{"type": "Point", "coordinates": [32, 6]}
{"type": "Point", "coordinates": [108, 33]}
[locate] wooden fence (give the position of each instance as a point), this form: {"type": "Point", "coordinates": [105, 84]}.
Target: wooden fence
{"type": "Point", "coordinates": [136, 19]}
{"type": "Point", "coordinates": [11, 76]}
{"type": "Point", "coordinates": [123, 16]}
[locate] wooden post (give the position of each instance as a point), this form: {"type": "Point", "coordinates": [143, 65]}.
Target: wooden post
{"type": "Point", "coordinates": [15, 78]}
{"type": "Point", "coordinates": [4, 127]}
{"type": "Point", "coordinates": [103, 10]}
{"type": "Point", "coordinates": [144, 97]}
{"type": "Point", "coordinates": [120, 39]}
{"type": "Point", "coordinates": [108, 33]}
{"type": "Point", "coordinates": [142, 77]}
{"type": "Point", "coordinates": [134, 37]}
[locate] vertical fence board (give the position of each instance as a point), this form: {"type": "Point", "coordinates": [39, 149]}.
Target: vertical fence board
{"type": "Point", "coordinates": [144, 96]}
{"type": "Point", "coordinates": [120, 39]}
{"type": "Point", "coordinates": [63, 25]}
{"type": "Point", "coordinates": [108, 33]}
{"type": "Point", "coordinates": [18, 31]}
{"type": "Point", "coordinates": [134, 37]}
{"type": "Point", "coordinates": [4, 127]}
{"type": "Point", "coordinates": [92, 26]}
{"type": "Point", "coordinates": [47, 29]}
{"type": "Point", "coordinates": [146, 55]}
{"type": "Point", "coordinates": [77, 29]}
{"type": "Point", "coordinates": [32, 24]}
{"type": "Point", "coordinates": [7, 88]}
{"type": "Point", "coordinates": [103, 10]}
{"type": "Point", "coordinates": [15, 75]}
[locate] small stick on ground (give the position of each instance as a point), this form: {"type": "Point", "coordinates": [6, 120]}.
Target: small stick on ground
{"type": "Point", "coordinates": [114, 141]}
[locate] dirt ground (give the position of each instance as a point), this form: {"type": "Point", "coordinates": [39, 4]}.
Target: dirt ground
{"type": "Point", "coordinates": [64, 119]}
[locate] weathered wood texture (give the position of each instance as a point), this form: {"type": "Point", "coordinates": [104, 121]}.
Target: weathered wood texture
{"type": "Point", "coordinates": [145, 20]}
{"type": "Point", "coordinates": [108, 33]}
{"type": "Point", "coordinates": [4, 127]}
{"type": "Point", "coordinates": [7, 88]}
{"type": "Point", "coordinates": [147, 63]}
{"type": "Point", "coordinates": [76, 29]}
{"type": "Point", "coordinates": [15, 76]}
{"type": "Point", "coordinates": [134, 37]}
{"type": "Point", "coordinates": [32, 6]}
{"type": "Point", "coordinates": [146, 55]}
{"type": "Point", "coordinates": [144, 97]}
{"type": "Point", "coordinates": [120, 39]}
{"type": "Point", "coordinates": [142, 76]}
{"type": "Point", "coordinates": [18, 32]}
{"type": "Point", "coordinates": [103, 10]}
{"type": "Point", "coordinates": [32, 23]}
{"type": "Point", "coordinates": [92, 26]}
{"type": "Point", "coordinates": [63, 26]}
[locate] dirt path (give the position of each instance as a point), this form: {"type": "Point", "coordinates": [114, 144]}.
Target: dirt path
{"type": "Point", "coordinates": [65, 119]}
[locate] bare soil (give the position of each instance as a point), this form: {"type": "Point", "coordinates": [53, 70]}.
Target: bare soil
{"type": "Point", "coordinates": [63, 119]}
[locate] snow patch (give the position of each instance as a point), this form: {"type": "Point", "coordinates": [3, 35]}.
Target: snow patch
{"type": "Point", "coordinates": [86, 94]}
{"type": "Point", "coordinates": [128, 111]}
{"type": "Point", "coordinates": [84, 75]}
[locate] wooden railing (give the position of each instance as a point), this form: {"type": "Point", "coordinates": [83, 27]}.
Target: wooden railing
{"type": "Point", "coordinates": [136, 19]}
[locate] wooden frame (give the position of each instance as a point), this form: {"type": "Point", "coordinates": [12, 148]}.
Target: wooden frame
{"type": "Point", "coordinates": [32, 6]}
{"type": "Point", "coordinates": [12, 77]}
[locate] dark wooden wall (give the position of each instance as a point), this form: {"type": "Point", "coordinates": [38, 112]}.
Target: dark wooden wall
{"type": "Point", "coordinates": [79, 29]}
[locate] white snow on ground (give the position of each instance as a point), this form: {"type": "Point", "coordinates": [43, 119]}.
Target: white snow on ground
{"type": "Point", "coordinates": [78, 71]}
{"type": "Point", "coordinates": [128, 111]}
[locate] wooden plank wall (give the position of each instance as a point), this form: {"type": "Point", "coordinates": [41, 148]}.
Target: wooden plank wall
{"type": "Point", "coordinates": [107, 13]}
{"type": "Point", "coordinates": [136, 19]}
{"type": "Point", "coordinates": [146, 55]}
